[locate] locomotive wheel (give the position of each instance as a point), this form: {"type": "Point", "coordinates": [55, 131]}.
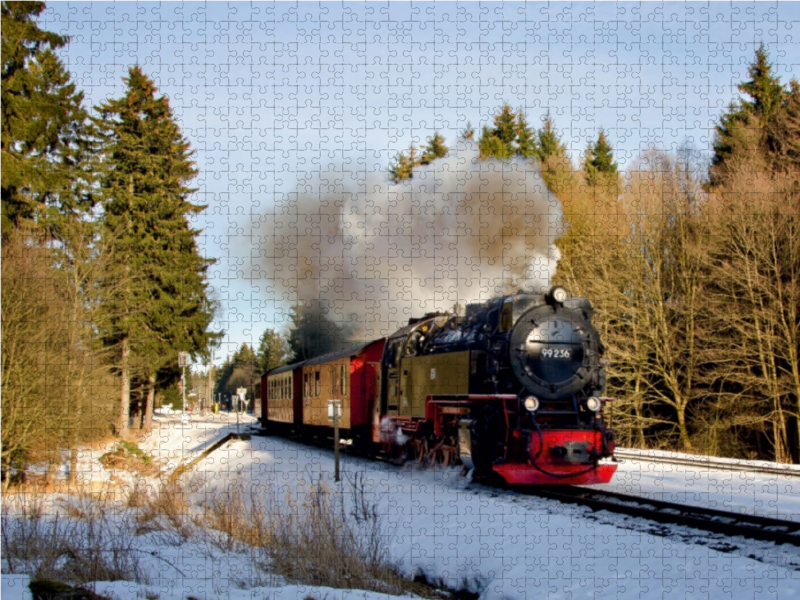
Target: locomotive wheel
{"type": "Point", "coordinates": [420, 450]}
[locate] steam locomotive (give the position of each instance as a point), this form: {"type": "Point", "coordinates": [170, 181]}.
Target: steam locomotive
{"type": "Point", "coordinates": [513, 388]}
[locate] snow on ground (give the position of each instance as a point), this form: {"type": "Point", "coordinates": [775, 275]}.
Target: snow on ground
{"type": "Point", "coordinates": [513, 546]}
{"type": "Point", "coordinates": [500, 543]}
{"type": "Point", "coordinates": [737, 491]}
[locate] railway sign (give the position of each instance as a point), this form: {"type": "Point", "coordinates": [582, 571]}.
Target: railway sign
{"type": "Point", "coordinates": [183, 359]}
{"type": "Point", "coordinates": [337, 405]}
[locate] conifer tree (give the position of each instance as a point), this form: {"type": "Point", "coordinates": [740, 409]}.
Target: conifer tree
{"type": "Point", "coordinates": [273, 351]}
{"type": "Point", "coordinates": [402, 167]}
{"type": "Point", "coordinates": [435, 149]}
{"type": "Point", "coordinates": [43, 144]}
{"type": "Point", "coordinates": [783, 133]}
{"type": "Point", "coordinates": [146, 199]}
{"type": "Point", "coordinates": [549, 144]}
{"type": "Point", "coordinates": [468, 133]}
{"type": "Point", "coordinates": [499, 142]}
{"type": "Point", "coordinates": [765, 89]}
{"type": "Point", "coordinates": [742, 130]}
{"type": "Point", "coordinates": [598, 165]}
{"type": "Point", "coordinates": [527, 146]}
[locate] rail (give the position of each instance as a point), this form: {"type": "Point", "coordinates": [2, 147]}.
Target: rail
{"type": "Point", "coordinates": [769, 529]}
{"type": "Point", "coordinates": [710, 463]}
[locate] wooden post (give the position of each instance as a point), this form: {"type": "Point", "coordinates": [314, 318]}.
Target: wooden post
{"type": "Point", "coordinates": [334, 407]}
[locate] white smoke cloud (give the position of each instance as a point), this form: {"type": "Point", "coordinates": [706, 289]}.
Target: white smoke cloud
{"type": "Point", "coordinates": [375, 254]}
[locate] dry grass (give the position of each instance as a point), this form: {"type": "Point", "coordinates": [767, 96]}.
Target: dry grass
{"type": "Point", "coordinates": [167, 510]}
{"type": "Point", "coordinates": [91, 546]}
{"type": "Point", "coordinates": [318, 536]}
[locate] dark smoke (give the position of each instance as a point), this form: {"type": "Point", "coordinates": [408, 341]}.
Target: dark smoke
{"type": "Point", "coordinates": [373, 254]}
{"type": "Point", "coordinates": [314, 332]}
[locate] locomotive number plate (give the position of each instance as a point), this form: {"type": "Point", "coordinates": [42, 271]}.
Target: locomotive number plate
{"type": "Point", "coordinates": [556, 353]}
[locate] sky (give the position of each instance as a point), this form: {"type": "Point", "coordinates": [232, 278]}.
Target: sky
{"type": "Point", "coordinates": [283, 102]}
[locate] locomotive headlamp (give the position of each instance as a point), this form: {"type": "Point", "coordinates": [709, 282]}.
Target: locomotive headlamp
{"type": "Point", "coordinates": [593, 404]}
{"type": "Point", "coordinates": [532, 403]}
{"type": "Point", "coordinates": [558, 294]}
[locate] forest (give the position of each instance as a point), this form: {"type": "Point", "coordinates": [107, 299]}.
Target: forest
{"type": "Point", "coordinates": [102, 280]}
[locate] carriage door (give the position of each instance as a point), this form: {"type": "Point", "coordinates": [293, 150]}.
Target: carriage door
{"type": "Point", "coordinates": [373, 392]}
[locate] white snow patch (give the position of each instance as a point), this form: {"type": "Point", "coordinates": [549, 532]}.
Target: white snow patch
{"type": "Point", "coordinates": [503, 544]}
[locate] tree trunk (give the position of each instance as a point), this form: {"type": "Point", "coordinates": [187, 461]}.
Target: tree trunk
{"type": "Point", "coordinates": [73, 463]}
{"type": "Point", "coordinates": [125, 395]}
{"type": "Point", "coordinates": [149, 403]}
{"type": "Point", "coordinates": [684, 433]}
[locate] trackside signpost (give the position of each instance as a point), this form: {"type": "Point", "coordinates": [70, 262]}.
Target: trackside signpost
{"type": "Point", "coordinates": [240, 393]}
{"type": "Point", "coordinates": [183, 362]}
{"type": "Point", "coordinates": [335, 413]}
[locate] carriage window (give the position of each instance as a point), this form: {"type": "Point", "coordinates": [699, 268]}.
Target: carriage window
{"type": "Point", "coordinates": [332, 377]}
{"type": "Point", "coordinates": [317, 386]}
{"type": "Point", "coordinates": [343, 376]}
{"type": "Point", "coordinates": [305, 385]}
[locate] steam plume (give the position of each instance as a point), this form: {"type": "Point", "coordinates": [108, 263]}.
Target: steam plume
{"type": "Point", "coordinates": [373, 254]}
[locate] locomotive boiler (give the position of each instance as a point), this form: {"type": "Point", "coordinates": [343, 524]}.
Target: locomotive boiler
{"type": "Point", "coordinates": [513, 388]}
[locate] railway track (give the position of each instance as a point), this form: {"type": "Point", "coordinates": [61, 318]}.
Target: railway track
{"type": "Point", "coordinates": [778, 531]}
{"type": "Point", "coordinates": [730, 524]}
{"type": "Point", "coordinates": [710, 463]}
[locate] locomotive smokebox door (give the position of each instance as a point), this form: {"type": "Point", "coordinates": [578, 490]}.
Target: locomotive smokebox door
{"type": "Point", "coordinates": [553, 351]}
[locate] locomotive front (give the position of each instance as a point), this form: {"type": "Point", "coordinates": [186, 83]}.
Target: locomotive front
{"type": "Point", "coordinates": [514, 387]}
{"type": "Point", "coordinates": [555, 354]}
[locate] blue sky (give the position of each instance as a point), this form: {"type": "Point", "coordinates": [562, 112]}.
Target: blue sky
{"type": "Point", "coordinates": [275, 98]}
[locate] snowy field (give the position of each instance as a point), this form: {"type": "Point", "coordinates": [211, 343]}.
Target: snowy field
{"type": "Point", "coordinates": [775, 496]}
{"type": "Point", "coordinates": [497, 543]}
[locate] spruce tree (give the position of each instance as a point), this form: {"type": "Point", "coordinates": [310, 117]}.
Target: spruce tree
{"type": "Point", "coordinates": [527, 146]}
{"type": "Point", "coordinates": [468, 133]}
{"type": "Point", "coordinates": [403, 165]}
{"type": "Point", "coordinates": [435, 149]}
{"type": "Point", "coordinates": [147, 167]}
{"type": "Point", "coordinates": [765, 89]}
{"type": "Point", "coordinates": [598, 165]}
{"type": "Point", "coordinates": [499, 142]}
{"type": "Point", "coordinates": [549, 144]}
{"type": "Point", "coordinates": [273, 351]}
{"type": "Point", "coordinates": [783, 134]}
{"type": "Point", "coordinates": [742, 129]}
{"type": "Point", "coordinates": [43, 142]}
